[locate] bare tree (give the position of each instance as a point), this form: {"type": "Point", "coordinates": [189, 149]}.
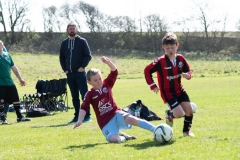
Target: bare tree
{"type": "Point", "coordinates": [92, 15]}
{"type": "Point", "coordinates": [213, 28]}
{"type": "Point", "coordinates": [155, 24]}
{"type": "Point", "coordinates": [124, 24]}
{"type": "Point", "coordinates": [238, 35]}
{"type": "Point", "coordinates": [70, 14]}
{"type": "Point", "coordinates": [107, 23]}
{"type": "Point", "coordinates": [210, 26]}
{"type": "Point", "coordinates": [238, 25]}
{"type": "Point", "coordinates": [2, 20]}
{"type": "Point", "coordinates": [204, 21]}
{"type": "Point", "coordinates": [65, 11]}
{"type": "Point", "coordinates": [217, 35]}
{"type": "Point", "coordinates": [17, 11]}
{"type": "Point", "coordinates": [95, 20]}
{"type": "Point", "coordinates": [140, 23]}
{"type": "Point", "coordinates": [51, 20]}
{"type": "Point", "coordinates": [185, 24]}
{"type": "Point", "coordinates": [156, 28]}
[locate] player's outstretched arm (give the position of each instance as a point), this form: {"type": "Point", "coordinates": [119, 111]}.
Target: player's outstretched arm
{"type": "Point", "coordinates": [109, 63]}
{"type": "Point", "coordinates": [81, 116]}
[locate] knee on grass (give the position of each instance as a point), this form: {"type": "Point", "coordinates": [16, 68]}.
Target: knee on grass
{"type": "Point", "coordinates": [116, 139]}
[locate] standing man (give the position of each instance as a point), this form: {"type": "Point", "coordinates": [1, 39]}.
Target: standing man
{"type": "Point", "coordinates": [74, 56]}
{"type": "Point", "coordinates": [8, 90]}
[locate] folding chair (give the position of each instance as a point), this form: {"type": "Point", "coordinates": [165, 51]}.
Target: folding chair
{"type": "Point", "coordinates": [55, 94]}
{"type": "Point", "coordinates": [51, 95]}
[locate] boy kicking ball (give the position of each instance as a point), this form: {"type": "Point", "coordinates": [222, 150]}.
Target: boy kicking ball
{"type": "Point", "coordinates": [109, 116]}
{"type": "Point", "coordinates": [170, 68]}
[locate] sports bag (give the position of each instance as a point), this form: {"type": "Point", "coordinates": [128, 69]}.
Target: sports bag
{"type": "Point", "coordinates": [37, 112]}
{"type": "Point", "coordinates": [145, 113]}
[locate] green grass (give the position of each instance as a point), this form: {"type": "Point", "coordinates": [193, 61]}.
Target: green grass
{"type": "Point", "coordinates": [46, 66]}
{"type": "Point", "coordinates": [215, 124]}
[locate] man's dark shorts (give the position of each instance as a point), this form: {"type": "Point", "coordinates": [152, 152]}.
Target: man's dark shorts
{"type": "Point", "coordinates": [8, 94]}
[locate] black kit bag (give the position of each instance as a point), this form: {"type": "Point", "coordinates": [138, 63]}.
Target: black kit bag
{"type": "Point", "coordinates": [145, 113]}
{"type": "Point", "coordinates": [37, 112]}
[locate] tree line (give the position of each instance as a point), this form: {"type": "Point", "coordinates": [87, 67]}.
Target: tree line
{"type": "Point", "coordinates": [114, 34]}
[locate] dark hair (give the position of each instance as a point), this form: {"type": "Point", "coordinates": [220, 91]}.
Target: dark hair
{"type": "Point", "coordinates": [170, 38]}
{"type": "Point", "coordinates": [71, 24]}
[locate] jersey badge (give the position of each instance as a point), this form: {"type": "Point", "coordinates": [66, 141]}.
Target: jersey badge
{"type": "Point", "coordinates": [180, 65]}
{"type": "Point", "coordinates": [105, 90]}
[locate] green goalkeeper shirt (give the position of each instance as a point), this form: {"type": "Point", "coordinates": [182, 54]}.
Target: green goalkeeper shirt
{"type": "Point", "coordinates": [6, 63]}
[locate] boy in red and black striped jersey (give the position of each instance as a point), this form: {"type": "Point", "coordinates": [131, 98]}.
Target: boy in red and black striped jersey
{"type": "Point", "coordinates": [170, 67]}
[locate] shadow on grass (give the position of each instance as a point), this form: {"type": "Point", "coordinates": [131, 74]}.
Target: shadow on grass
{"type": "Point", "coordinates": [144, 145]}
{"type": "Point", "coordinates": [57, 125]}
{"type": "Point", "coordinates": [85, 146]}
{"type": "Point", "coordinates": [148, 144]}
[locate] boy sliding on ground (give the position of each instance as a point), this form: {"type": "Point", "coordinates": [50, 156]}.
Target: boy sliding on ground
{"type": "Point", "coordinates": [109, 116]}
{"type": "Point", "coordinates": [170, 67]}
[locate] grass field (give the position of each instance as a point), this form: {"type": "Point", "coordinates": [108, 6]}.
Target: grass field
{"type": "Point", "coordinates": [214, 88]}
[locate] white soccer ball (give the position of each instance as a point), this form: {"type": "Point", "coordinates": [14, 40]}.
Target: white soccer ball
{"type": "Point", "coordinates": [163, 133]}
{"type": "Point", "coordinates": [194, 107]}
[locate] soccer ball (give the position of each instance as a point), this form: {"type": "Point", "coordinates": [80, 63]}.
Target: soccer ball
{"type": "Point", "coordinates": [194, 107]}
{"type": "Point", "coordinates": [163, 133]}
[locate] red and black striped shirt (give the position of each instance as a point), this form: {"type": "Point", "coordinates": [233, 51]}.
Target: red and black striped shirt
{"type": "Point", "coordinates": [168, 75]}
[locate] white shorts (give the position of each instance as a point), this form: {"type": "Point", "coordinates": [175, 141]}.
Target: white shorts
{"type": "Point", "coordinates": [115, 124]}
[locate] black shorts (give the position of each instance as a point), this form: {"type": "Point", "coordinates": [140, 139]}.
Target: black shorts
{"type": "Point", "coordinates": [8, 94]}
{"type": "Point", "coordinates": [174, 102]}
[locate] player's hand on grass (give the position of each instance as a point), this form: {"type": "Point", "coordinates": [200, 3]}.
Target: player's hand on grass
{"type": "Point", "coordinates": [77, 124]}
{"type": "Point", "coordinates": [156, 90]}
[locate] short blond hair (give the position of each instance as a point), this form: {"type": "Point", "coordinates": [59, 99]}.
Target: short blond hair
{"type": "Point", "coordinates": [91, 72]}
